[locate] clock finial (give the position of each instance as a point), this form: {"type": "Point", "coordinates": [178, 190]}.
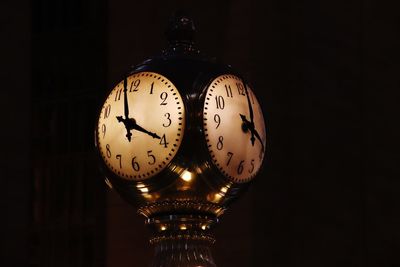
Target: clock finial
{"type": "Point", "coordinates": [180, 29]}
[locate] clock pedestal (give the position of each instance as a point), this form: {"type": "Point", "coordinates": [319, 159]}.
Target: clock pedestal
{"type": "Point", "coordinates": [182, 240]}
{"type": "Point", "coordinates": [182, 252]}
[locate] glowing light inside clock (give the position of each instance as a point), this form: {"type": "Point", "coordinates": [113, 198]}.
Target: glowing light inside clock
{"type": "Point", "coordinates": [186, 176]}
{"type": "Point", "coordinates": [148, 196]}
{"type": "Point", "coordinates": [218, 196]}
{"type": "Point", "coordinates": [142, 188]}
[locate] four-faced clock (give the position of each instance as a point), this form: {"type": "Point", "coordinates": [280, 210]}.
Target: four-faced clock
{"type": "Point", "coordinates": [234, 128]}
{"type": "Point", "coordinates": [141, 126]}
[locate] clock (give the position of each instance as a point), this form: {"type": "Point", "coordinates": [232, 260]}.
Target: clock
{"type": "Point", "coordinates": [234, 128]}
{"type": "Point", "coordinates": [181, 155]}
{"type": "Point", "coordinates": [141, 126]}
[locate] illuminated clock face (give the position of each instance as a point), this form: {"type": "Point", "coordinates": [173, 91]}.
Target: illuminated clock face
{"type": "Point", "coordinates": [234, 128]}
{"type": "Point", "coordinates": [141, 125]}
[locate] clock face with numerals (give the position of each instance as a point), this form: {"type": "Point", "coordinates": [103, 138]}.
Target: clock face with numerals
{"type": "Point", "coordinates": [234, 128]}
{"type": "Point", "coordinates": [141, 126]}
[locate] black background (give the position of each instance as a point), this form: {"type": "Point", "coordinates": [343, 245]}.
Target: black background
{"type": "Point", "coordinates": [327, 75]}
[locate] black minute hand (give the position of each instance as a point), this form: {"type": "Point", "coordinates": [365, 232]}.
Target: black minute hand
{"type": "Point", "coordinates": [125, 120]}
{"type": "Point", "coordinates": [126, 107]}
{"type": "Point", "coordinates": [130, 123]}
{"type": "Point", "coordinates": [251, 125]}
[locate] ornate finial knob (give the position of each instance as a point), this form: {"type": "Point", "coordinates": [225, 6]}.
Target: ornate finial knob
{"type": "Point", "coordinates": [180, 29]}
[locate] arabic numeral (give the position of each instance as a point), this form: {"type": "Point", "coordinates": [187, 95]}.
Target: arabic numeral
{"type": "Point", "coordinates": [119, 156]}
{"type": "Point", "coordinates": [151, 88]}
{"type": "Point", "coordinates": [107, 111]}
{"type": "Point", "coordinates": [240, 167]}
{"type": "Point", "coordinates": [118, 95]}
{"type": "Point", "coordinates": [168, 116]}
{"type": "Point", "coordinates": [240, 88]}
{"type": "Point", "coordinates": [103, 129]}
{"type": "Point", "coordinates": [219, 100]}
{"type": "Point", "coordinates": [252, 166]}
{"type": "Point", "coordinates": [108, 151]}
{"type": "Point", "coordinates": [217, 120]}
{"type": "Point", "coordinates": [163, 96]}
{"type": "Point", "coordinates": [134, 86]}
{"type": "Point", "coordinates": [163, 141]}
{"type": "Point", "coordinates": [135, 164]}
{"type": "Point", "coordinates": [230, 155]}
{"type": "Point", "coordinates": [228, 90]}
{"type": "Point", "coordinates": [220, 143]}
{"type": "Point", "coordinates": [152, 157]}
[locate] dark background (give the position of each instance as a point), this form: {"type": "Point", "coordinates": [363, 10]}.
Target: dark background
{"type": "Point", "coordinates": [327, 75]}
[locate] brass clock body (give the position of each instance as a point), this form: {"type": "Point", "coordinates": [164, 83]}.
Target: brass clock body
{"type": "Point", "coordinates": [180, 137]}
{"type": "Point", "coordinates": [191, 176]}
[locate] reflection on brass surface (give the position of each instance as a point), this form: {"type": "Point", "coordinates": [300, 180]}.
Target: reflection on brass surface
{"type": "Point", "coordinates": [172, 227]}
{"type": "Point", "coordinates": [202, 237]}
{"type": "Point", "coordinates": [181, 206]}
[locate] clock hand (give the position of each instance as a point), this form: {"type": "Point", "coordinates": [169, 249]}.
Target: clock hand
{"type": "Point", "coordinates": [126, 107]}
{"type": "Point", "coordinates": [259, 139]}
{"type": "Point", "coordinates": [130, 124]}
{"type": "Point", "coordinates": [141, 129]}
{"type": "Point", "coordinates": [244, 119]}
{"type": "Point", "coordinates": [250, 113]}
{"type": "Point", "coordinates": [248, 125]}
{"type": "Point", "coordinates": [249, 102]}
{"type": "Point", "coordinates": [128, 130]}
{"type": "Point", "coordinates": [126, 112]}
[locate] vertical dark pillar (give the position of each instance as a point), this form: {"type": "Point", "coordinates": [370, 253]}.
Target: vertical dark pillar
{"type": "Point", "coordinates": [381, 168]}
{"type": "Point", "coordinates": [15, 76]}
{"type": "Point", "coordinates": [69, 75]}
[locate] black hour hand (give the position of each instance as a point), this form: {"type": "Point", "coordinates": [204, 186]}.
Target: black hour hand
{"type": "Point", "coordinates": [141, 129]}
{"type": "Point", "coordinates": [250, 126]}
{"type": "Point", "coordinates": [128, 130]}
{"type": "Point", "coordinates": [247, 125]}
{"type": "Point", "coordinates": [130, 124]}
{"type": "Point", "coordinates": [120, 119]}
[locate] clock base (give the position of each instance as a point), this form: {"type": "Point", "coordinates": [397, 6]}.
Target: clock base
{"type": "Point", "coordinates": [183, 252]}
{"type": "Point", "coordinates": [182, 240]}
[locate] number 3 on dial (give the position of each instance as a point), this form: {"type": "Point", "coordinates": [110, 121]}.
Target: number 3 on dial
{"type": "Point", "coordinates": [234, 128]}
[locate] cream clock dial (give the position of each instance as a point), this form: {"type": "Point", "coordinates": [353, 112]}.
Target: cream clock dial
{"type": "Point", "coordinates": [234, 128]}
{"type": "Point", "coordinates": [140, 127]}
